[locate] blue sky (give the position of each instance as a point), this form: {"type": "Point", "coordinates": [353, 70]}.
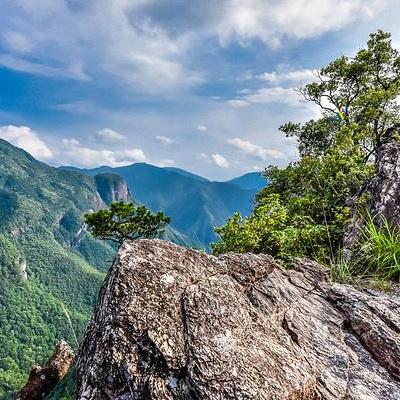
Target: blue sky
{"type": "Point", "coordinates": [201, 85]}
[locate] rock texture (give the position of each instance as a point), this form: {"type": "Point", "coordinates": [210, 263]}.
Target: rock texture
{"type": "Point", "coordinates": [112, 187]}
{"type": "Point", "coordinates": [42, 380]}
{"type": "Point", "coordinates": [174, 323]}
{"type": "Point", "coordinates": [382, 192]}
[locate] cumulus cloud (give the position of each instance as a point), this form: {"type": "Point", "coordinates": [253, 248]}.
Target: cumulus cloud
{"type": "Point", "coordinates": [219, 160]}
{"type": "Point", "coordinates": [78, 40]}
{"type": "Point", "coordinates": [216, 159]}
{"type": "Point", "coordinates": [27, 139]}
{"type": "Point", "coordinates": [202, 128]}
{"type": "Point", "coordinates": [109, 136]}
{"type": "Point", "coordinates": [267, 95]}
{"type": "Point", "coordinates": [147, 45]}
{"type": "Point", "coordinates": [301, 75]}
{"type": "Point", "coordinates": [75, 153]}
{"type": "Point", "coordinates": [270, 20]}
{"type": "Point", "coordinates": [164, 140]}
{"type": "Point", "coordinates": [254, 150]}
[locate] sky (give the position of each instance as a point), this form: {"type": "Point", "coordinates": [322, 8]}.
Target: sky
{"type": "Point", "coordinates": [200, 85]}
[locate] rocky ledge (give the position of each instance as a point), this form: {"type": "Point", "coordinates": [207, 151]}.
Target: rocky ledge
{"type": "Point", "coordinates": [174, 323]}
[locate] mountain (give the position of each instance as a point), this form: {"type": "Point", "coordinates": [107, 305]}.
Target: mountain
{"type": "Point", "coordinates": [250, 181]}
{"type": "Point", "coordinates": [187, 173]}
{"type": "Point", "coordinates": [49, 266]}
{"type": "Point", "coordinates": [112, 187]}
{"type": "Point", "coordinates": [195, 204]}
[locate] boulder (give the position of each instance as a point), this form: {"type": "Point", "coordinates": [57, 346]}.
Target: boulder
{"type": "Point", "coordinates": [381, 194]}
{"type": "Point", "coordinates": [175, 323]}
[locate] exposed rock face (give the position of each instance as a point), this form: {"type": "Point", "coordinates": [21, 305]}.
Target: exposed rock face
{"type": "Point", "coordinates": [382, 192]}
{"type": "Point", "coordinates": [174, 323]}
{"type": "Point", "coordinates": [112, 187]}
{"type": "Point", "coordinates": [42, 380]}
{"type": "Point", "coordinates": [385, 185]}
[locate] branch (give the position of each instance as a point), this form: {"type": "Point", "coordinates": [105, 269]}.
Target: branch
{"type": "Point", "coordinates": [42, 380]}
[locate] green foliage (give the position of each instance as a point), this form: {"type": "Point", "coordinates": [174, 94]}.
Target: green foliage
{"type": "Point", "coordinates": [376, 259]}
{"type": "Point", "coordinates": [337, 155]}
{"type": "Point", "coordinates": [379, 249]}
{"type": "Point", "coordinates": [125, 221]}
{"type": "Point", "coordinates": [41, 227]}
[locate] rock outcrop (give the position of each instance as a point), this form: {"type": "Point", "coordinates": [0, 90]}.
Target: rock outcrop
{"type": "Point", "coordinates": [112, 187]}
{"type": "Point", "coordinates": [175, 323]}
{"type": "Point", "coordinates": [381, 195]}
{"type": "Point", "coordinates": [43, 379]}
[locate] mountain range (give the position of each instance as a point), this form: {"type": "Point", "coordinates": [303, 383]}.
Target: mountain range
{"type": "Point", "coordinates": [51, 269]}
{"type": "Point", "coordinates": [195, 204]}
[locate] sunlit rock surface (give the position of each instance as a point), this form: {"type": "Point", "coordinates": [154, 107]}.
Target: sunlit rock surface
{"type": "Point", "coordinates": [174, 323]}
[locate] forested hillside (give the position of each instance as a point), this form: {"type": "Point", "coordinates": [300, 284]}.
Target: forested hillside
{"type": "Point", "coordinates": [49, 266]}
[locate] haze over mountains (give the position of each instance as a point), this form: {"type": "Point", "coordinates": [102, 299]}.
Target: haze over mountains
{"type": "Point", "coordinates": [195, 204]}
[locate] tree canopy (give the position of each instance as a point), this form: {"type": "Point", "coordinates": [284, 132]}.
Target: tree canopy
{"type": "Point", "coordinates": [125, 221]}
{"type": "Point", "coordinates": [305, 207]}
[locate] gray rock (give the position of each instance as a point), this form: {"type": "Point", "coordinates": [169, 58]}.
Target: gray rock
{"type": "Point", "coordinates": [174, 323]}
{"type": "Point", "coordinates": [381, 193]}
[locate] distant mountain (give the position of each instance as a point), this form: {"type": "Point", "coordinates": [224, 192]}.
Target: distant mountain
{"type": "Point", "coordinates": [112, 187]}
{"type": "Point", "coordinates": [186, 173]}
{"type": "Point", "coordinates": [250, 181]}
{"type": "Point", "coordinates": [48, 263]}
{"type": "Point", "coordinates": [195, 204]}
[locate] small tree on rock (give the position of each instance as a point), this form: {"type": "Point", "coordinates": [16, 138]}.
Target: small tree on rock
{"type": "Point", "coordinates": [125, 221]}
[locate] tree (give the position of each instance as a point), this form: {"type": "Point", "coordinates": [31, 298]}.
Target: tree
{"type": "Point", "coordinates": [357, 97]}
{"type": "Point", "coordinates": [125, 221]}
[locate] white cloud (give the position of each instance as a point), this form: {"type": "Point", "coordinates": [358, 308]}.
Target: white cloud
{"type": "Point", "coordinates": [140, 44]}
{"type": "Point", "coordinates": [254, 150]}
{"type": "Point", "coordinates": [27, 139]}
{"type": "Point", "coordinates": [268, 95]}
{"type": "Point", "coordinates": [164, 140]}
{"type": "Point", "coordinates": [18, 42]}
{"type": "Point", "coordinates": [109, 136]}
{"type": "Point", "coordinates": [80, 40]}
{"type": "Point", "coordinates": [301, 75]}
{"type": "Point", "coordinates": [238, 103]}
{"type": "Point", "coordinates": [216, 159]}
{"type": "Point", "coordinates": [166, 163]}
{"type": "Point", "coordinates": [73, 71]}
{"type": "Point", "coordinates": [75, 153]}
{"type": "Point", "coordinates": [270, 20]}
{"type": "Point", "coordinates": [219, 160]}
{"type": "Point", "coordinates": [202, 128]}
{"type": "Point", "coordinates": [274, 95]}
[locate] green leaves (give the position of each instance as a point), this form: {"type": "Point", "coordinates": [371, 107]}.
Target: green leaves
{"type": "Point", "coordinates": [337, 156]}
{"type": "Point", "coordinates": [125, 221]}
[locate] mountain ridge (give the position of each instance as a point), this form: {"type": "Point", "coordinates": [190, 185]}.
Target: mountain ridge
{"type": "Point", "coordinates": [195, 204]}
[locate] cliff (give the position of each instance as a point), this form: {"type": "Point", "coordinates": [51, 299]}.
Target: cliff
{"type": "Point", "coordinates": [380, 196]}
{"type": "Point", "coordinates": [174, 323]}
{"type": "Point", "coordinates": [112, 187]}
